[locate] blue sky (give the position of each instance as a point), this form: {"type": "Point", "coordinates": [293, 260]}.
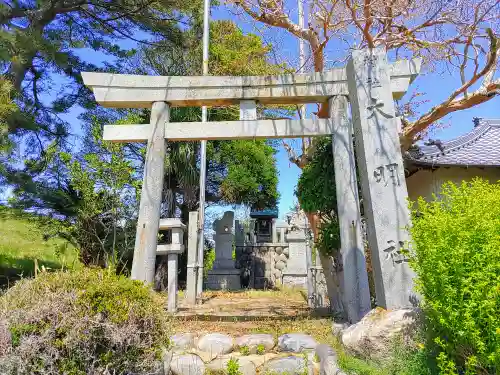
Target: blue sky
{"type": "Point", "coordinates": [437, 87]}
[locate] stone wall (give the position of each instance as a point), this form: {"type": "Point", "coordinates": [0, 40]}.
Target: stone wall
{"type": "Point", "coordinates": [261, 265]}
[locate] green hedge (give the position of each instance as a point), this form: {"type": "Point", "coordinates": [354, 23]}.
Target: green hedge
{"type": "Point", "coordinates": [457, 261]}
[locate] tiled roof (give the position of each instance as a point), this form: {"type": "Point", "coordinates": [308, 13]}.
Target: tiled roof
{"type": "Point", "coordinates": [479, 147]}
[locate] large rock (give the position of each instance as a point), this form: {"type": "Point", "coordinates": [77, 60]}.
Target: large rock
{"type": "Point", "coordinates": [187, 364]}
{"type": "Point", "coordinates": [216, 343]}
{"type": "Point", "coordinates": [374, 335]}
{"type": "Point", "coordinates": [286, 365]}
{"type": "Point", "coordinates": [254, 340]}
{"type": "Point", "coordinates": [258, 360]}
{"type": "Point", "coordinates": [296, 342]}
{"type": "Point", "coordinates": [328, 364]}
{"type": "Point", "coordinates": [338, 328]}
{"type": "Point", "coordinates": [246, 366]}
{"type": "Point", "coordinates": [182, 341]}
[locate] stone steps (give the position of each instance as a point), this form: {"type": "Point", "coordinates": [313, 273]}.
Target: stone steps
{"type": "Point", "coordinates": [294, 353]}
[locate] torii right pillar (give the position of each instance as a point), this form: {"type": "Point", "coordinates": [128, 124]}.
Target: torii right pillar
{"type": "Point", "coordinates": [381, 172]}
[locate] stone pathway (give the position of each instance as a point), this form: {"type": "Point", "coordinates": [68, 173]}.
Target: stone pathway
{"type": "Point", "coordinates": [292, 353]}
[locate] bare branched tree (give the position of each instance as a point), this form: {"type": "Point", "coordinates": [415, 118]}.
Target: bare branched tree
{"type": "Point", "coordinates": [462, 34]}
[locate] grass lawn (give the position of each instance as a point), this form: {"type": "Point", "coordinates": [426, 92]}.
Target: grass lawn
{"type": "Point", "coordinates": [22, 243]}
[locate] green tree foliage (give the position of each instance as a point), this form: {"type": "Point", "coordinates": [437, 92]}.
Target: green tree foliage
{"type": "Point", "coordinates": [91, 193]}
{"type": "Point", "coordinates": [457, 261]}
{"type": "Point", "coordinates": [7, 108]}
{"type": "Point", "coordinates": [316, 194]}
{"type": "Point", "coordinates": [44, 45]}
{"type": "Point", "coordinates": [92, 206]}
{"type": "Point", "coordinates": [233, 53]}
{"type": "Point", "coordinates": [240, 171]}
{"type": "Point", "coordinates": [81, 322]}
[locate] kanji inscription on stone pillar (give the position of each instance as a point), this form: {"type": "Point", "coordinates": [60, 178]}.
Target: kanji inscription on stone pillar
{"type": "Point", "coordinates": [381, 174]}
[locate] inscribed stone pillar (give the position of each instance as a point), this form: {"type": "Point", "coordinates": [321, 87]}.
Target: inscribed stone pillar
{"type": "Point", "coordinates": [146, 240]}
{"type": "Point", "coordinates": [356, 293]}
{"type": "Point", "coordinates": [382, 175]}
{"type": "Point", "coordinates": [224, 274]}
{"type": "Point", "coordinates": [295, 273]}
{"type": "Point", "coordinates": [192, 258]}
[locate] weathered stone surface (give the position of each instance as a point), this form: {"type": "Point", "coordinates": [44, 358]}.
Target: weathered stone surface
{"type": "Point", "coordinates": [338, 328]}
{"type": "Point", "coordinates": [283, 258]}
{"type": "Point", "coordinates": [187, 364]}
{"type": "Point", "coordinates": [216, 343]}
{"type": "Point", "coordinates": [327, 360]}
{"type": "Point", "coordinates": [143, 264]}
{"type": "Point", "coordinates": [372, 337]}
{"type": "Point", "coordinates": [296, 342]}
{"type": "Point", "coordinates": [382, 175]}
{"type": "Point", "coordinates": [167, 359]}
{"type": "Point", "coordinates": [254, 340]}
{"type": "Point", "coordinates": [259, 360]}
{"type": "Point", "coordinates": [287, 366]}
{"type": "Point", "coordinates": [182, 341]}
{"type": "Point", "coordinates": [247, 367]}
{"type": "Point", "coordinates": [354, 291]}
{"type": "Point", "coordinates": [205, 356]}
{"type": "Point", "coordinates": [280, 265]}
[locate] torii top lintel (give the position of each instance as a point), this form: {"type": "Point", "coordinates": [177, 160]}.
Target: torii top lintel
{"type": "Point", "coordinates": [139, 91]}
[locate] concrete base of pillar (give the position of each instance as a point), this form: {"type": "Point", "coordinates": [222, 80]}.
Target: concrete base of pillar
{"type": "Point", "coordinates": [223, 279]}
{"type": "Point", "coordinates": [295, 280]}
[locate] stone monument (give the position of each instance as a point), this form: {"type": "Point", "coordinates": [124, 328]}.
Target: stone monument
{"type": "Point", "coordinates": [224, 275]}
{"type": "Point", "coordinates": [295, 273]}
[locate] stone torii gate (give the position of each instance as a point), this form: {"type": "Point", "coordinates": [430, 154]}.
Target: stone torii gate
{"type": "Point", "coordinates": [368, 82]}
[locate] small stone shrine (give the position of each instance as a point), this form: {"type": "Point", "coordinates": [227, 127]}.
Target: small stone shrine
{"type": "Point", "coordinates": [264, 225]}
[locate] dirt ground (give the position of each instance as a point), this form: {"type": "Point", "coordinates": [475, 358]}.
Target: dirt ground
{"type": "Point", "coordinates": [254, 311]}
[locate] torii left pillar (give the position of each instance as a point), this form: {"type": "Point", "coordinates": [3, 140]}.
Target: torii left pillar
{"type": "Point", "coordinates": [146, 240]}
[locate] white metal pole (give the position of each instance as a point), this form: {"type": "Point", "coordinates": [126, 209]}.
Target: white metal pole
{"type": "Point", "coordinates": [203, 156]}
{"type": "Point", "coordinates": [302, 60]}
{"type": "Point", "coordinates": [302, 55]}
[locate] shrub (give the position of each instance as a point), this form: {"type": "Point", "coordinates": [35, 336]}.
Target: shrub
{"type": "Point", "coordinates": [233, 367]}
{"type": "Point", "coordinates": [85, 322]}
{"type": "Point", "coordinates": [261, 349]}
{"type": "Point", "coordinates": [316, 193]}
{"type": "Point", "coordinates": [245, 350]}
{"type": "Point", "coordinates": [457, 261]}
